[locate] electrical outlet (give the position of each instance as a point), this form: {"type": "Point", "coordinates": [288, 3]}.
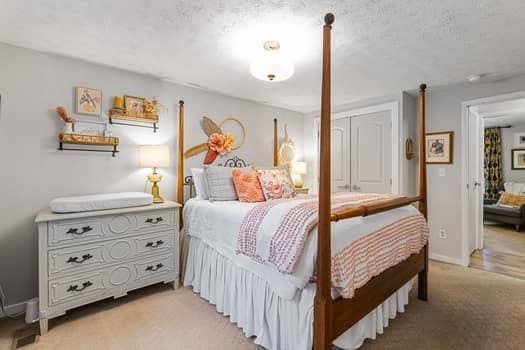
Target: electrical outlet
{"type": "Point", "coordinates": [442, 233]}
{"type": "Point", "coordinates": [442, 172]}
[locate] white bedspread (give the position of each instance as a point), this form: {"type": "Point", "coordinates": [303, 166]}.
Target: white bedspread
{"type": "Point", "coordinates": [217, 224]}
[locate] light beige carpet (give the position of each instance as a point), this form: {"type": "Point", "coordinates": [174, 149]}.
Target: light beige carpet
{"type": "Point", "coordinates": [468, 309]}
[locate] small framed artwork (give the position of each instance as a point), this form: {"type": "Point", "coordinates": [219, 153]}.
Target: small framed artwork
{"type": "Point", "coordinates": [88, 101]}
{"type": "Point", "coordinates": [519, 139]}
{"type": "Point", "coordinates": [518, 159]}
{"type": "Point", "coordinates": [134, 105]}
{"type": "Point", "coordinates": [439, 147]}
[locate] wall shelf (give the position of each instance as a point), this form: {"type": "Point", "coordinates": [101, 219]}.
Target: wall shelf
{"type": "Point", "coordinates": [121, 117]}
{"type": "Point", "coordinates": [88, 140]}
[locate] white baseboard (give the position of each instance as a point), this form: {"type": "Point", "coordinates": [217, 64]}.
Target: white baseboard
{"type": "Point", "coordinates": [446, 259]}
{"type": "Point", "coordinates": [14, 309]}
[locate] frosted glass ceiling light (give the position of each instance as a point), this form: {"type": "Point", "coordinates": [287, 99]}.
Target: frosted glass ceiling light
{"type": "Point", "coordinates": [272, 65]}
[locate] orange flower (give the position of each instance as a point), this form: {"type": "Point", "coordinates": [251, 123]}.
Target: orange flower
{"type": "Point", "coordinates": [220, 143]}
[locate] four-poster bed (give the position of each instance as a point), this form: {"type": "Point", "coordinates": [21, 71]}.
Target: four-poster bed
{"type": "Point", "coordinates": [333, 316]}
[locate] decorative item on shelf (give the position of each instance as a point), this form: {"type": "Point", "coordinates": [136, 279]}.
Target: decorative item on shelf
{"type": "Point", "coordinates": [136, 110]}
{"type": "Point", "coordinates": [409, 148]}
{"type": "Point", "coordinates": [87, 133]}
{"type": "Point", "coordinates": [154, 156]}
{"type": "Point", "coordinates": [69, 126]}
{"type": "Point", "coordinates": [88, 101]}
{"type": "Point", "coordinates": [298, 169]}
{"type": "Point", "coordinates": [287, 149]}
{"type": "Point", "coordinates": [219, 142]}
{"type": "Point", "coordinates": [439, 147]}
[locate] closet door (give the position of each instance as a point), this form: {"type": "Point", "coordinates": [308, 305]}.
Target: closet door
{"type": "Point", "coordinates": [341, 155]}
{"type": "Point", "coordinates": [371, 152]}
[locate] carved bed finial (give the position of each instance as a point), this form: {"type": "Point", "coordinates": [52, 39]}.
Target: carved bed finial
{"type": "Point", "coordinates": [329, 19]}
{"type": "Point", "coordinates": [423, 87]}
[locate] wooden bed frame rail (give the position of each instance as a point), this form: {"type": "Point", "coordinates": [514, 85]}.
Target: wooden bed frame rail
{"type": "Point", "coordinates": [333, 317]}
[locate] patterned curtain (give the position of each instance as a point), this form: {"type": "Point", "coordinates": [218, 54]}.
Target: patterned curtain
{"type": "Point", "coordinates": [493, 166]}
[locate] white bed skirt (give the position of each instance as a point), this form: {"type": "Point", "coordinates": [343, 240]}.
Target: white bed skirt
{"type": "Point", "coordinates": [277, 323]}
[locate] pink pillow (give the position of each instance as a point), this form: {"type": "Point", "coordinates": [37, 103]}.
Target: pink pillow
{"type": "Point", "coordinates": [247, 186]}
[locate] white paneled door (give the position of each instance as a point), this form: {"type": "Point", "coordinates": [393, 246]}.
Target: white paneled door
{"type": "Point", "coordinates": [341, 155]}
{"type": "Point", "coordinates": [371, 153]}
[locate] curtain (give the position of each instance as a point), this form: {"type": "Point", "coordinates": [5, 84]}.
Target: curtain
{"type": "Point", "coordinates": [493, 166]}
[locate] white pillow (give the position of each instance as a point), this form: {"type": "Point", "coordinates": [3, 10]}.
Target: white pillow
{"type": "Point", "coordinates": [199, 180]}
{"type": "Point", "coordinates": [514, 187]}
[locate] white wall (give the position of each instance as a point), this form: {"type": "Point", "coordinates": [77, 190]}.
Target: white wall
{"type": "Point", "coordinates": [32, 172]}
{"type": "Point", "coordinates": [507, 144]}
{"type": "Point", "coordinates": [444, 201]}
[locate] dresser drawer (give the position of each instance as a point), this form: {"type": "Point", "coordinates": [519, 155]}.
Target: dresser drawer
{"type": "Point", "coordinates": [92, 229]}
{"type": "Point", "coordinates": [110, 279]}
{"type": "Point", "coordinates": [156, 220]}
{"type": "Point", "coordinates": [79, 258]}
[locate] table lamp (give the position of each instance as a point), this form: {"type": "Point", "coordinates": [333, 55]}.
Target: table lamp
{"type": "Point", "coordinates": [154, 156]}
{"type": "Point", "coordinates": [297, 170]}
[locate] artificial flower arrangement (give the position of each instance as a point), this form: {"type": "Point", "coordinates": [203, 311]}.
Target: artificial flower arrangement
{"type": "Point", "coordinates": [218, 145]}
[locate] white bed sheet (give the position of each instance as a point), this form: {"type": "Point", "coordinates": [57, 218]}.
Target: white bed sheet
{"type": "Point", "coordinates": [217, 224]}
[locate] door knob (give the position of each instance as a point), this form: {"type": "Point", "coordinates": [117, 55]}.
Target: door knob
{"type": "Point", "coordinates": [477, 183]}
{"type": "Point", "coordinates": [356, 188]}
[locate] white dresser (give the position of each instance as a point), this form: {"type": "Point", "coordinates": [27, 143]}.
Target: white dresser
{"type": "Point", "coordinates": [88, 256]}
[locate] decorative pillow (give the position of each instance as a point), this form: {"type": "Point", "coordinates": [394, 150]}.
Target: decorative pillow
{"type": "Point", "coordinates": [199, 180]}
{"type": "Point", "coordinates": [247, 186]}
{"type": "Point", "coordinates": [276, 182]}
{"type": "Point", "coordinates": [220, 183]}
{"type": "Point", "coordinates": [511, 200]}
{"type": "Point", "coordinates": [514, 187]}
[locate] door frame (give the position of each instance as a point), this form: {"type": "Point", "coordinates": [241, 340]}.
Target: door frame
{"type": "Point", "coordinates": [465, 205]}
{"type": "Point", "coordinates": [397, 139]}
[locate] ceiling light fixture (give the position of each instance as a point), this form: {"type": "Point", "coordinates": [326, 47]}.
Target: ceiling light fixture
{"type": "Point", "coordinates": [272, 65]}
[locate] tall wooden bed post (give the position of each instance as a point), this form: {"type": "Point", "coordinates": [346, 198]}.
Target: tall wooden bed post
{"type": "Point", "coordinates": [180, 161]}
{"type": "Point", "coordinates": [275, 143]}
{"type": "Point", "coordinates": [323, 297]}
{"type": "Point", "coordinates": [333, 317]}
{"type": "Point", "coordinates": [422, 191]}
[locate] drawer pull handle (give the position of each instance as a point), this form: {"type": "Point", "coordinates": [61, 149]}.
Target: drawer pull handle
{"type": "Point", "coordinates": [75, 288]}
{"type": "Point", "coordinates": [155, 244]}
{"type": "Point", "coordinates": [154, 268]}
{"type": "Point", "coordinates": [76, 232]}
{"type": "Point", "coordinates": [74, 259]}
{"type": "Point", "coordinates": [154, 221]}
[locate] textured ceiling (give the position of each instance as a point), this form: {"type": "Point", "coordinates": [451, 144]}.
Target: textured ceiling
{"type": "Point", "coordinates": [380, 46]}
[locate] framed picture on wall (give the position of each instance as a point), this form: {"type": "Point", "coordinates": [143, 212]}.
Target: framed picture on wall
{"type": "Point", "coordinates": [88, 101]}
{"type": "Point", "coordinates": [519, 139]}
{"type": "Point", "coordinates": [439, 147]}
{"type": "Point", "coordinates": [134, 105]}
{"type": "Point", "coordinates": [518, 159]}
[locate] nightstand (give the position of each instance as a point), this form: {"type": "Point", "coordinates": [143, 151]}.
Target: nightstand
{"type": "Point", "coordinates": [302, 190]}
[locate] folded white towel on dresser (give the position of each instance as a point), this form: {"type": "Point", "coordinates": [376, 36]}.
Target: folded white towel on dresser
{"type": "Point", "coordinates": [100, 202]}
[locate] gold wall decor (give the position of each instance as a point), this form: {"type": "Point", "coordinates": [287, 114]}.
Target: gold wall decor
{"type": "Point", "coordinates": [409, 148]}
{"type": "Point", "coordinates": [220, 139]}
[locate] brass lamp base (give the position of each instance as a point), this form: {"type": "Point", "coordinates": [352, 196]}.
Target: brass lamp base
{"type": "Point", "coordinates": [297, 180]}
{"type": "Point", "coordinates": [155, 178]}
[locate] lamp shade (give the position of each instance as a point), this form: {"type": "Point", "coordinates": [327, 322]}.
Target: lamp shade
{"type": "Point", "coordinates": [154, 156]}
{"type": "Point", "coordinates": [298, 168]}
